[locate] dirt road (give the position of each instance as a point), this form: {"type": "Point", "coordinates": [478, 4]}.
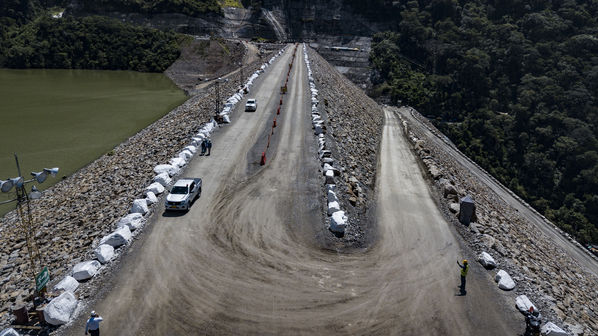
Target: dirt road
{"type": "Point", "coordinates": [243, 261]}
{"type": "Point", "coordinates": [581, 256]}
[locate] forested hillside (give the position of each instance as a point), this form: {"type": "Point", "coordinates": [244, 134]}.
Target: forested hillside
{"type": "Point", "coordinates": [514, 84]}
{"type": "Point", "coordinates": [187, 7]}
{"type": "Point", "coordinates": [90, 43]}
{"type": "Point", "coordinates": [30, 38]}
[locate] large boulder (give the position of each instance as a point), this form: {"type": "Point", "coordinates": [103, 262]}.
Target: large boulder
{"type": "Point", "coordinates": [552, 329]}
{"type": "Point", "coordinates": [505, 282]}
{"type": "Point", "coordinates": [163, 179]}
{"type": "Point", "coordinates": [157, 188]}
{"type": "Point", "coordinates": [139, 206]}
{"type": "Point", "coordinates": [86, 270]}
{"type": "Point", "coordinates": [332, 196]}
{"type": "Point", "coordinates": [338, 222]}
{"type": "Point", "coordinates": [488, 240]}
{"type": "Point", "coordinates": [327, 168]}
{"type": "Point", "coordinates": [117, 238]}
{"type": "Point", "coordinates": [318, 130]}
{"type": "Point", "coordinates": [486, 260]}
{"type": "Point", "coordinates": [104, 253]}
{"type": "Point", "coordinates": [68, 284]}
{"type": "Point", "coordinates": [9, 332]}
{"type": "Point", "coordinates": [191, 149]}
{"type": "Point", "coordinates": [185, 155]}
{"type": "Point", "coordinates": [177, 162]}
{"type": "Point", "coordinates": [151, 198]}
{"type": "Point", "coordinates": [329, 177]}
{"type": "Point", "coordinates": [523, 304]}
{"type": "Point", "coordinates": [166, 168]}
{"type": "Point", "coordinates": [449, 189]}
{"type": "Point", "coordinates": [134, 221]}
{"type": "Point", "coordinates": [60, 309]}
{"type": "Point", "coordinates": [333, 207]}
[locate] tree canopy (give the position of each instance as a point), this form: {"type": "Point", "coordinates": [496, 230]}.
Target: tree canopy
{"type": "Point", "coordinates": [33, 39]}
{"type": "Point", "coordinates": [514, 84]}
{"type": "Point", "coordinates": [188, 7]}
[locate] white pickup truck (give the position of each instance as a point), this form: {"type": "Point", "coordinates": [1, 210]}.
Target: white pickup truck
{"type": "Point", "coordinates": [183, 193]}
{"type": "Point", "coordinates": [251, 105]}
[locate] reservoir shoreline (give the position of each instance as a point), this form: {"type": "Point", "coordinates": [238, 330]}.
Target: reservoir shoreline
{"type": "Point", "coordinates": [76, 212]}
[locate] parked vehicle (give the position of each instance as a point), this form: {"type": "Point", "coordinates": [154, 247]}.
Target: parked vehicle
{"type": "Point", "coordinates": [251, 105]}
{"type": "Point", "coordinates": [183, 193]}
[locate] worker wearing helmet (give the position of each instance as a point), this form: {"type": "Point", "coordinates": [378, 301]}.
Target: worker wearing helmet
{"type": "Point", "coordinates": [533, 320]}
{"type": "Point", "coordinates": [464, 269]}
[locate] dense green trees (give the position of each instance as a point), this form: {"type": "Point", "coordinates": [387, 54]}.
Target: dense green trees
{"type": "Point", "coordinates": [30, 38]}
{"type": "Point", "coordinates": [514, 84]}
{"type": "Point", "coordinates": [187, 7]}
{"type": "Point", "coordinates": [89, 43]}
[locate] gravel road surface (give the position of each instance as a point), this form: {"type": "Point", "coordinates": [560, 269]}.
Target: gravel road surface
{"type": "Point", "coordinates": [243, 260]}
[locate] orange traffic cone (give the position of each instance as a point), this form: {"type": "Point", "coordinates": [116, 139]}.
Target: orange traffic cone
{"type": "Point", "coordinates": [263, 160]}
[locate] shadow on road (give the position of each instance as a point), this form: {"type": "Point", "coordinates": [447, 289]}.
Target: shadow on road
{"type": "Point", "coordinates": [174, 213]}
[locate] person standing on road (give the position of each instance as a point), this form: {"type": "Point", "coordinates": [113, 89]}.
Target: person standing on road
{"type": "Point", "coordinates": [209, 146]}
{"type": "Point", "coordinates": [203, 146]}
{"type": "Point", "coordinates": [464, 269]}
{"type": "Point", "coordinates": [93, 324]}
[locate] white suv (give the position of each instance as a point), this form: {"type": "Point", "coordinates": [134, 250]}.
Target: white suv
{"type": "Point", "coordinates": [251, 104]}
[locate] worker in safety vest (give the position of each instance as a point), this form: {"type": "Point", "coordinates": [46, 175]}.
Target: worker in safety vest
{"type": "Point", "coordinates": [464, 269]}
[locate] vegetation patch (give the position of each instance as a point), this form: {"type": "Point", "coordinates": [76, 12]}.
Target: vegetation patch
{"type": "Point", "coordinates": [514, 85]}
{"type": "Point", "coordinates": [231, 3]}
{"type": "Point", "coordinates": [188, 7]}
{"type": "Point", "coordinates": [89, 43]}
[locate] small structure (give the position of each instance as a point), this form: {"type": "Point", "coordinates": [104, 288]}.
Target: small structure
{"type": "Point", "coordinates": [466, 210]}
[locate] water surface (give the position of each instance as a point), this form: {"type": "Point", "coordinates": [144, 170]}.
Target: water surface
{"type": "Point", "coordinates": [68, 118]}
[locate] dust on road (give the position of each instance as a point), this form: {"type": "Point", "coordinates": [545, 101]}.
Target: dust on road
{"type": "Point", "coordinates": [243, 261]}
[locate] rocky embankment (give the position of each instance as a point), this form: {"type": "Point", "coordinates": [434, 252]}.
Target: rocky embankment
{"type": "Point", "coordinates": [76, 213]}
{"type": "Point", "coordinates": [353, 130]}
{"type": "Point", "coordinates": [563, 291]}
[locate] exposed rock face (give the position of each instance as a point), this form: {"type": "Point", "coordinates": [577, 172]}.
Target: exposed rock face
{"type": "Point", "coordinates": [353, 130]}
{"type": "Point", "coordinates": [555, 282]}
{"type": "Point", "coordinates": [327, 24]}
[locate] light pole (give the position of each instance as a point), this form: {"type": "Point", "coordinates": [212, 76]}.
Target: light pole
{"type": "Point", "coordinates": [217, 89]}
{"type": "Point", "coordinates": [218, 95]}
{"type": "Point", "coordinates": [26, 225]}
{"type": "Point", "coordinates": [241, 74]}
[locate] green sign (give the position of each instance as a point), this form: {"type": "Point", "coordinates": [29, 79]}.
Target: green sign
{"type": "Point", "coordinates": [42, 279]}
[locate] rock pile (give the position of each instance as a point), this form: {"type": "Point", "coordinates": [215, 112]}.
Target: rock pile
{"type": "Point", "coordinates": [559, 287]}
{"type": "Point", "coordinates": [338, 220]}
{"type": "Point", "coordinates": [351, 123]}
{"type": "Point", "coordinates": [77, 214]}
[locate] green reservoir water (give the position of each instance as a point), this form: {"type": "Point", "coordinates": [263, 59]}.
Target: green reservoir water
{"type": "Point", "coordinates": [68, 118]}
